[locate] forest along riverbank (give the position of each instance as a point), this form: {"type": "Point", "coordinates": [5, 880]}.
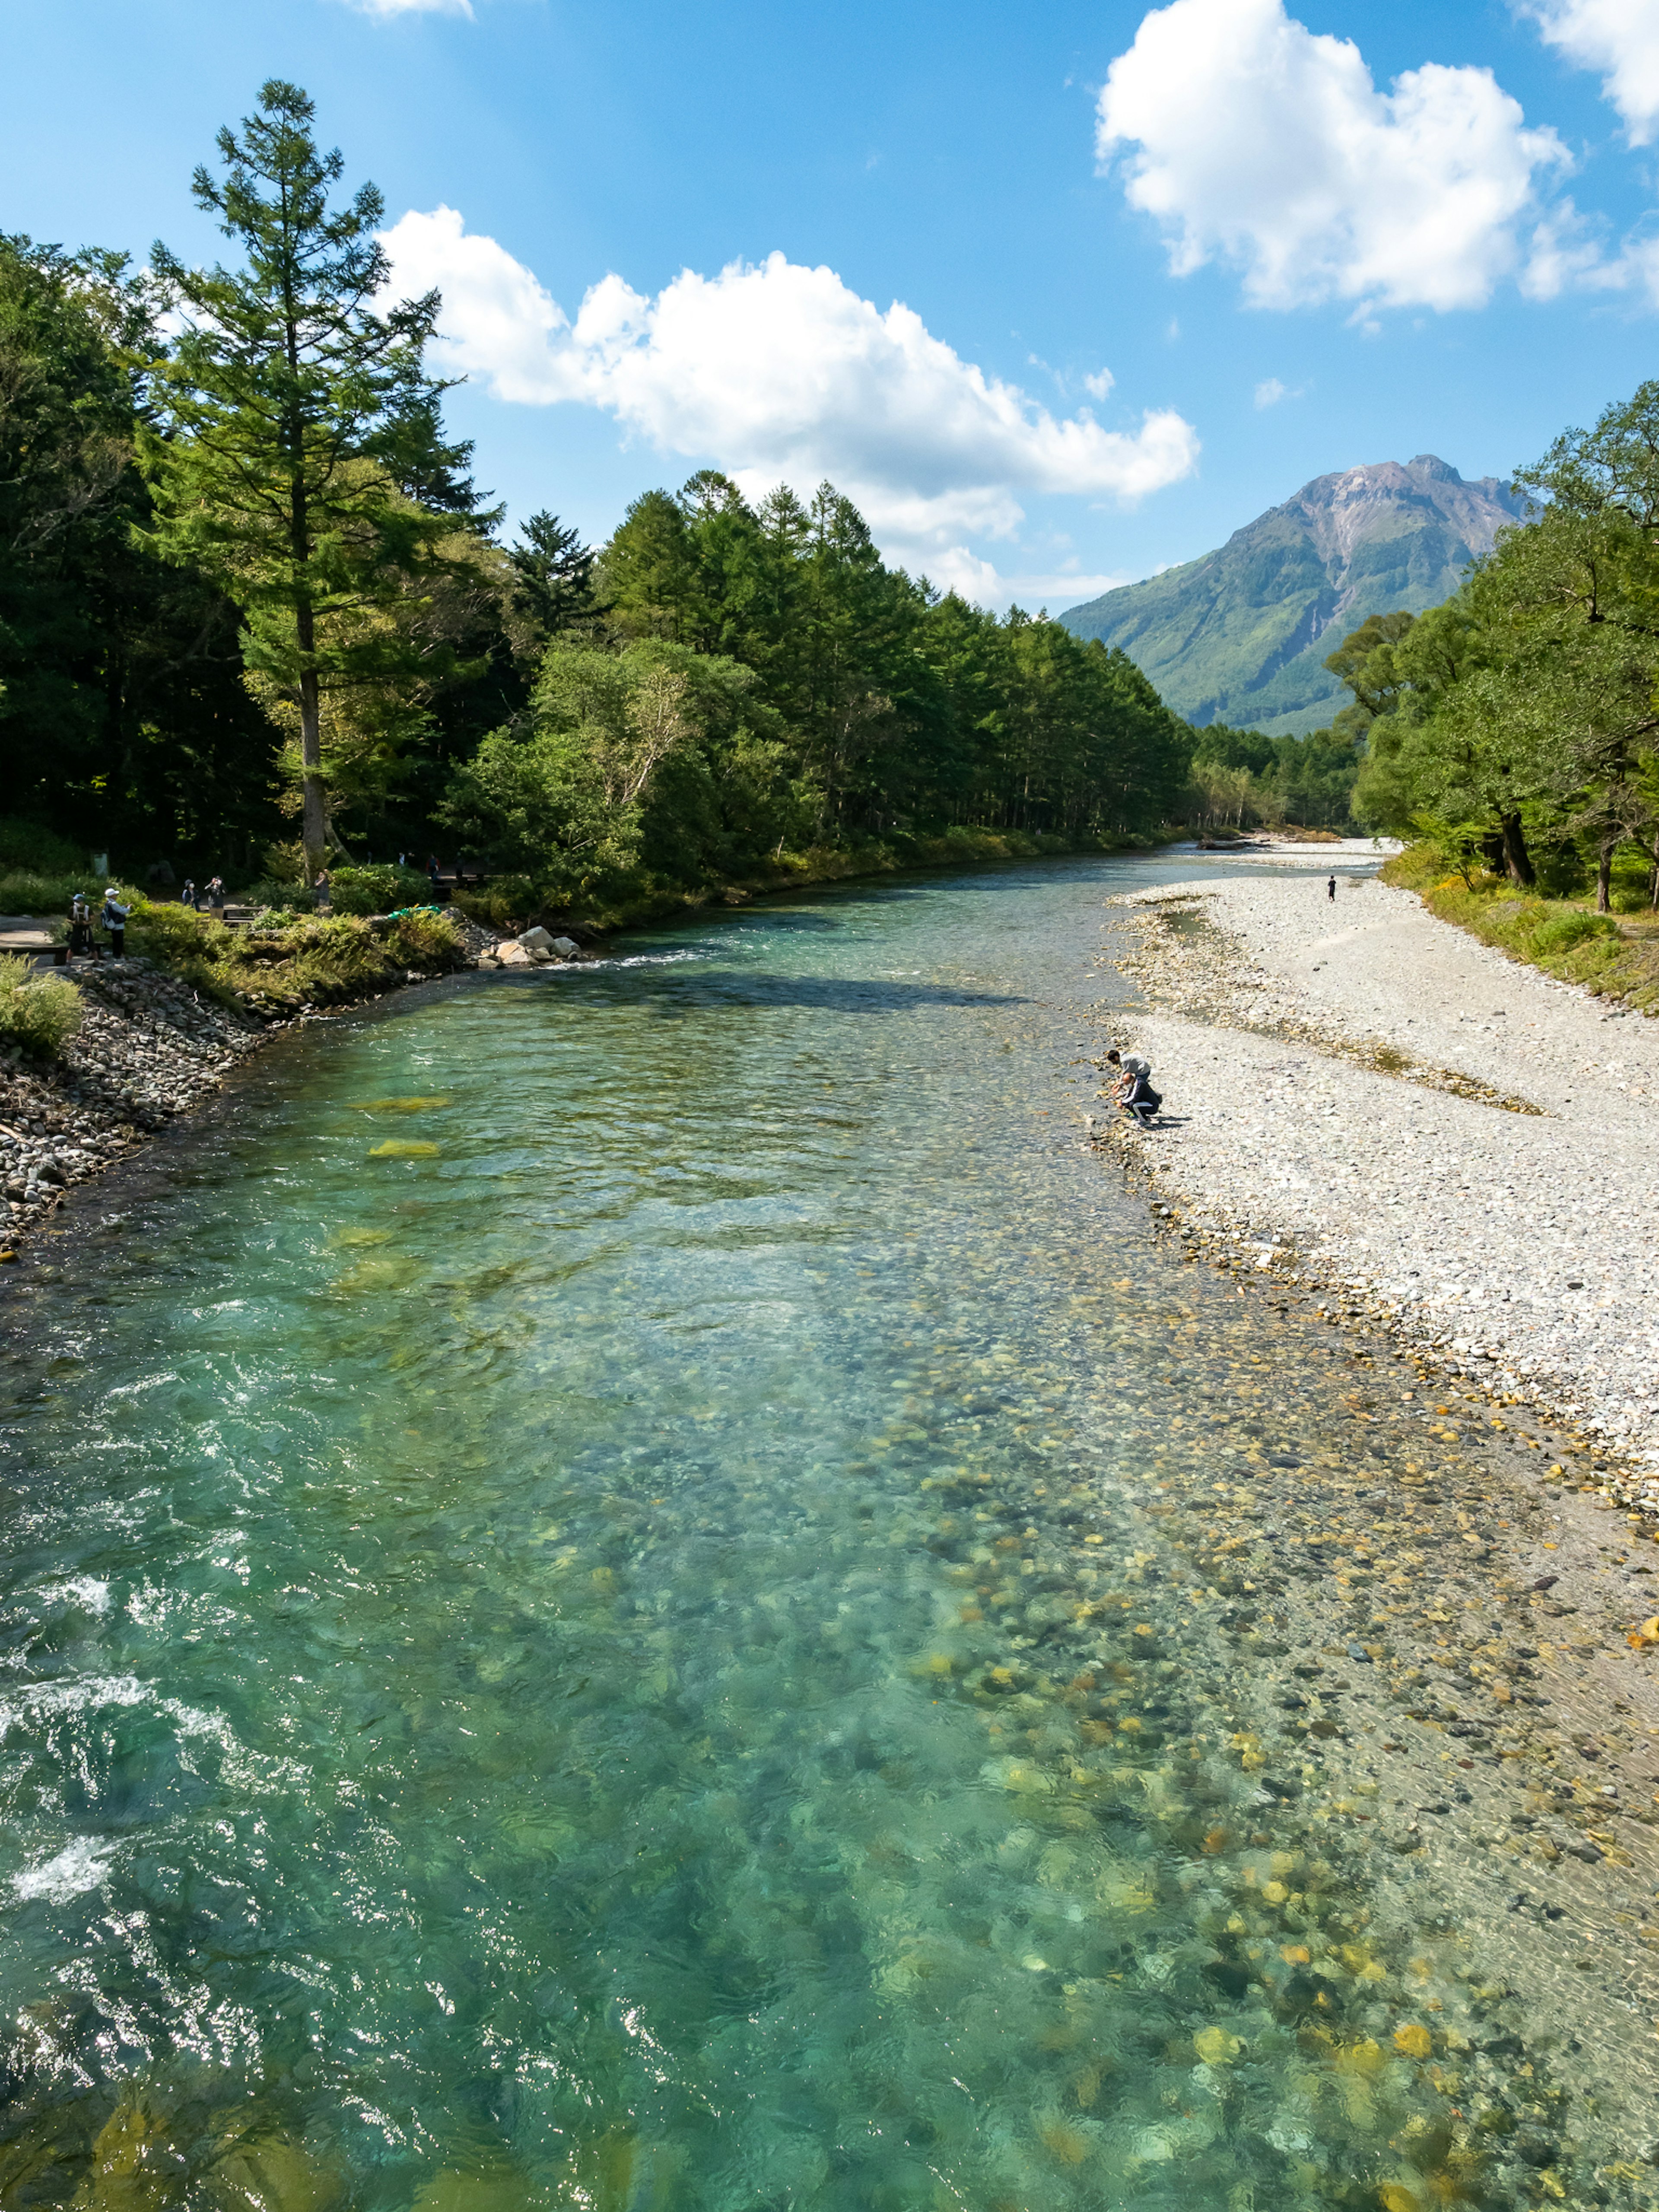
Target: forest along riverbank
{"type": "Point", "coordinates": [1369, 1098]}
{"type": "Point", "coordinates": [654, 1590]}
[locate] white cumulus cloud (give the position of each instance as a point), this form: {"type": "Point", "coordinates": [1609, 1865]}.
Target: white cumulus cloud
{"type": "Point", "coordinates": [1253, 141]}
{"type": "Point", "coordinates": [1619, 38]}
{"type": "Point", "coordinates": [776, 371]}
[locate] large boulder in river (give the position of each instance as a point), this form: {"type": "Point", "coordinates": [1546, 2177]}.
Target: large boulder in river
{"type": "Point", "coordinates": [537, 942]}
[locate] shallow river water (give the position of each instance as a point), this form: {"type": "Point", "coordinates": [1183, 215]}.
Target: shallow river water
{"type": "Point", "coordinates": [593, 1615]}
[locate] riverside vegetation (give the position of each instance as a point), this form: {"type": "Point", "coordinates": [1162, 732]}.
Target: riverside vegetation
{"type": "Point", "coordinates": [254, 612]}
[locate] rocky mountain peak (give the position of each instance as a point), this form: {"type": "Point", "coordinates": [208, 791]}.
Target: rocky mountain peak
{"type": "Point", "coordinates": [1240, 636]}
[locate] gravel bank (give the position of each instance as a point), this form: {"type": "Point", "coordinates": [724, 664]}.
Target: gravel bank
{"type": "Point", "coordinates": [148, 1049]}
{"type": "Point", "coordinates": [1513, 1227]}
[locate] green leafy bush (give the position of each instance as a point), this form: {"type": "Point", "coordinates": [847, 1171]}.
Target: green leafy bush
{"type": "Point", "coordinates": [1567, 930]}
{"type": "Point", "coordinates": [24, 891]}
{"type": "Point", "coordinates": [40, 1012]}
{"type": "Point", "coordinates": [508, 904]}
{"type": "Point", "coordinates": [28, 850]}
{"type": "Point", "coordinates": [378, 890]}
{"type": "Point", "coordinates": [424, 940]}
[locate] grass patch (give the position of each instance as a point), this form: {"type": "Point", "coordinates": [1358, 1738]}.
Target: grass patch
{"type": "Point", "coordinates": [40, 1013]}
{"type": "Point", "coordinates": [1613, 957]}
{"type": "Point", "coordinates": [290, 960]}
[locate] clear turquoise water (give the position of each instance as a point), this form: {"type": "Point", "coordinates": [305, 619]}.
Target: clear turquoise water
{"type": "Point", "coordinates": [570, 1668]}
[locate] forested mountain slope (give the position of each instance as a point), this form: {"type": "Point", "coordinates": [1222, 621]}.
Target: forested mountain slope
{"type": "Point", "coordinates": [1240, 636]}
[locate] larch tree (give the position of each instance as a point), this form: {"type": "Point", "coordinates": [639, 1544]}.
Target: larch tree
{"type": "Point", "coordinates": [296, 452]}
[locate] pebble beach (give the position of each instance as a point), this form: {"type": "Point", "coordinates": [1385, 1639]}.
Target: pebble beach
{"type": "Point", "coordinates": [1360, 1096]}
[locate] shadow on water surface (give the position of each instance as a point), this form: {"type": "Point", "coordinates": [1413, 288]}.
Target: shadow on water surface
{"type": "Point", "coordinates": [758, 1661]}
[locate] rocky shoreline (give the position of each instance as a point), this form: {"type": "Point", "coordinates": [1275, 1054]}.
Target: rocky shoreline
{"type": "Point", "coordinates": [150, 1049]}
{"type": "Point", "coordinates": [1364, 1103]}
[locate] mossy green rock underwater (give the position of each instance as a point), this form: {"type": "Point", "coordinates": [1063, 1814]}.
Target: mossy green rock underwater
{"type": "Point", "coordinates": [716, 1628]}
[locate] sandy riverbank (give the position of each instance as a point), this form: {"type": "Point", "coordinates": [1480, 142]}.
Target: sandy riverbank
{"type": "Point", "coordinates": [1496, 1193]}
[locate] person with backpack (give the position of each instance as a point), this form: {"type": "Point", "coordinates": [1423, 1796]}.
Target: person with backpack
{"type": "Point", "coordinates": [114, 920]}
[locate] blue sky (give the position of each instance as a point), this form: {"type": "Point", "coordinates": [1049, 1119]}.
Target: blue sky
{"type": "Point", "coordinates": [1155, 268]}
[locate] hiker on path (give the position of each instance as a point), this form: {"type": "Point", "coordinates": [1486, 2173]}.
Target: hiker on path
{"type": "Point", "coordinates": [79, 931]}
{"type": "Point", "coordinates": [114, 919]}
{"type": "Point", "coordinates": [1330, 888]}
{"type": "Point", "coordinates": [324, 891]}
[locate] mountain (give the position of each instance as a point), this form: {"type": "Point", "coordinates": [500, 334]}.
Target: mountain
{"type": "Point", "coordinates": [1240, 636]}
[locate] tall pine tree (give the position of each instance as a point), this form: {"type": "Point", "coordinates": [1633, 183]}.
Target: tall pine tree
{"type": "Point", "coordinates": [298, 455]}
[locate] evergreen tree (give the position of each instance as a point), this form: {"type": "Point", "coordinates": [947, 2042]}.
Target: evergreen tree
{"type": "Point", "coordinates": [299, 458]}
{"type": "Point", "coordinates": [554, 570]}
{"type": "Point", "coordinates": [124, 723]}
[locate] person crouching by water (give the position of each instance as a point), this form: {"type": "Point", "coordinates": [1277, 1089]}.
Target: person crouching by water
{"type": "Point", "coordinates": [114, 916]}
{"type": "Point", "coordinates": [1133, 1091]}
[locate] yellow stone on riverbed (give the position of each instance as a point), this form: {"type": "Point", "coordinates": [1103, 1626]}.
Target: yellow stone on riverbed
{"type": "Point", "coordinates": [1413, 2039]}
{"type": "Point", "coordinates": [400, 1105]}
{"type": "Point", "coordinates": [1398, 2198]}
{"type": "Point", "coordinates": [403, 1148]}
{"type": "Point", "coordinates": [1215, 2046]}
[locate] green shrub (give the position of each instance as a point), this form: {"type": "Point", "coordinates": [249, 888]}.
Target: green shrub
{"type": "Point", "coordinates": [1569, 929]}
{"type": "Point", "coordinates": [281, 897]}
{"type": "Point", "coordinates": [27, 849]}
{"type": "Point", "coordinates": [508, 904]}
{"type": "Point", "coordinates": [424, 940]}
{"type": "Point", "coordinates": [24, 891]}
{"type": "Point", "coordinates": [285, 864]}
{"type": "Point", "coordinates": [40, 1012]}
{"type": "Point", "coordinates": [377, 890]}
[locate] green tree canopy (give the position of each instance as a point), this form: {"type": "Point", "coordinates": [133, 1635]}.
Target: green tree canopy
{"type": "Point", "coordinates": [298, 455]}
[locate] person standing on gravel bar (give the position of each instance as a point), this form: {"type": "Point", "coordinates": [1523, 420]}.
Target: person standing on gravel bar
{"type": "Point", "coordinates": [1330, 888]}
{"type": "Point", "coordinates": [114, 919]}
{"type": "Point", "coordinates": [79, 931]}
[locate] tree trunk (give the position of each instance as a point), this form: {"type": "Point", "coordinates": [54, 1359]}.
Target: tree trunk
{"type": "Point", "coordinates": [1653, 879]}
{"type": "Point", "coordinates": [1516, 859]}
{"type": "Point", "coordinates": [1604, 876]}
{"type": "Point", "coordinates": [314, 823]}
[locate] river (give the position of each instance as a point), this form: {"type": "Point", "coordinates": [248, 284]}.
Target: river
{"type": "Point", "coordinates": [595, 1614]}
